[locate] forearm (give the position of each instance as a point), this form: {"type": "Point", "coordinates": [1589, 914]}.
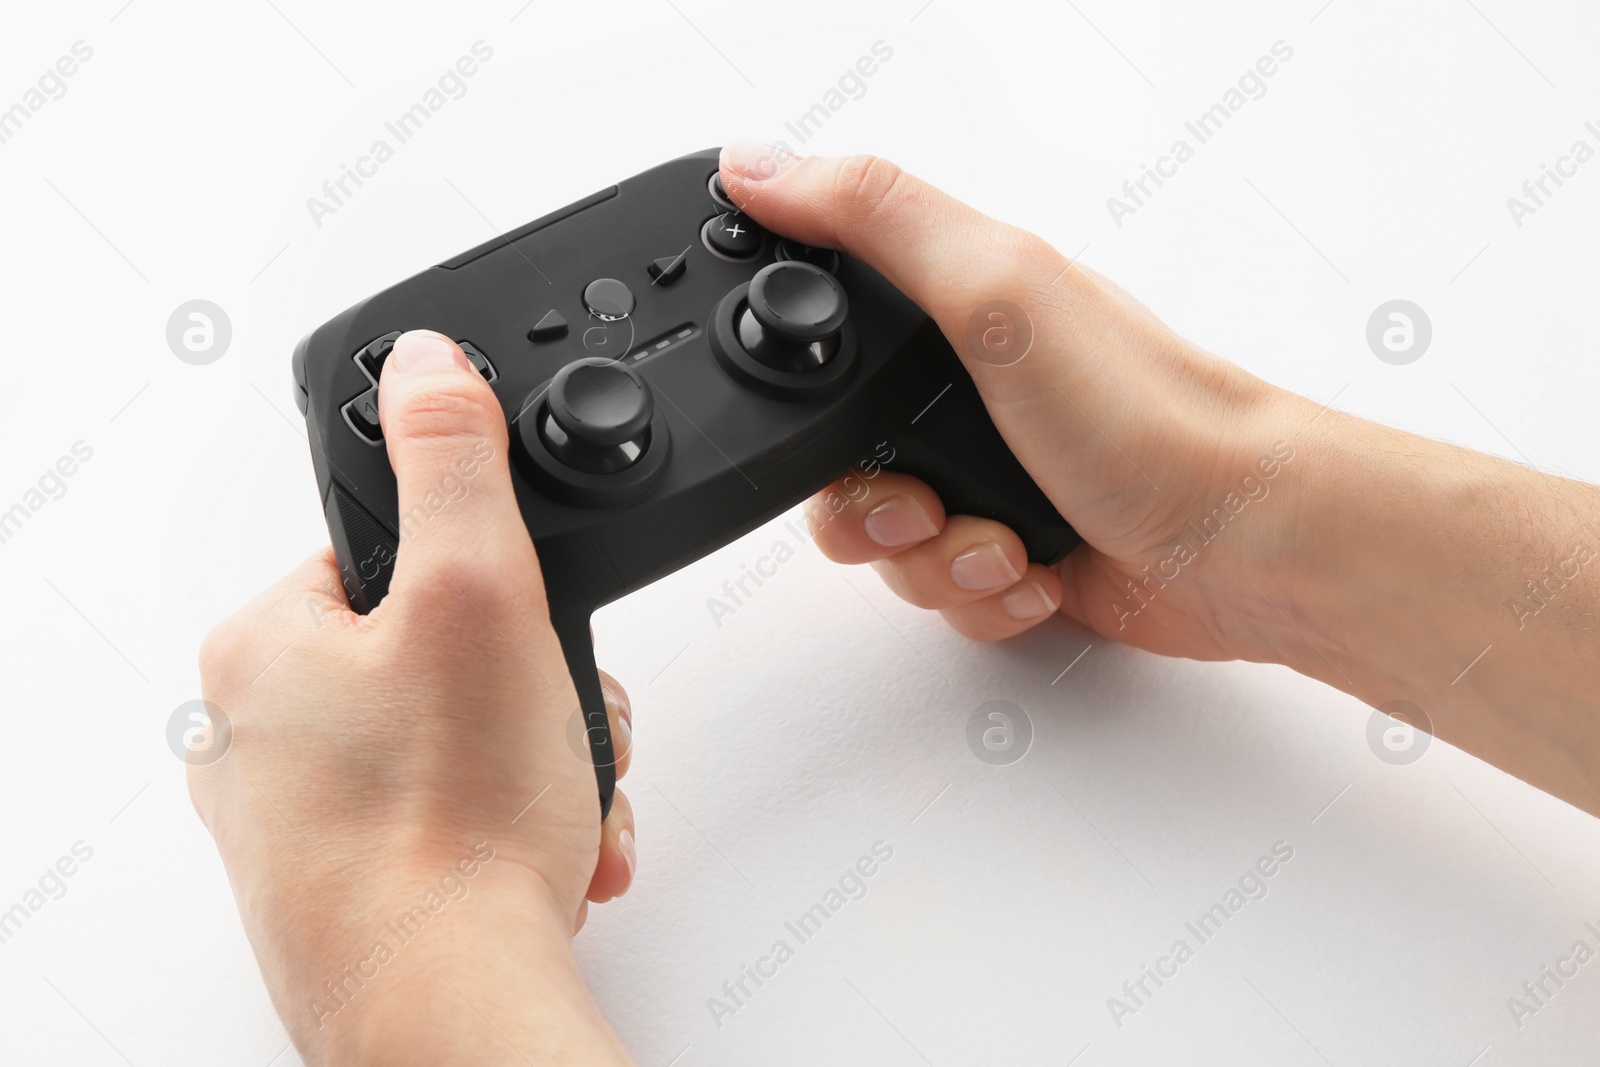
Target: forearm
{"type": "Point", "coordinates": [1465, 584]}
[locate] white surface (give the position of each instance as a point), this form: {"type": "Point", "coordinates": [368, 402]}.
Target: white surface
{"type": "Point", "coordinates": [775, 750]}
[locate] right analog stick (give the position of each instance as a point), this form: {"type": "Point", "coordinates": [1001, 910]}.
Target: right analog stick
{"type": "Point", "coordinates": [793, 316]}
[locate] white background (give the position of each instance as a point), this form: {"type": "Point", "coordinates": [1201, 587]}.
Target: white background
{"type": "Point", "coordinates": [824, 716]}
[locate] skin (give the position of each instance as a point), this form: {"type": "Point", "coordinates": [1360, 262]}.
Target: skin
{"type": "Point", "coordinates": [1224, 519]}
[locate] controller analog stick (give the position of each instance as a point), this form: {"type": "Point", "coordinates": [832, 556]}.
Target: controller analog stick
{"type": "Point", "coordinates": [596, 416]}
{"type": "Point", "coordinates": [792, 316]}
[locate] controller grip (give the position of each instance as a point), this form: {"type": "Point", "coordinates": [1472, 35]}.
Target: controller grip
{"type": "Point", "coordinates": [956, 449]}
{"type": "Point", "coordinates": [573, 631]}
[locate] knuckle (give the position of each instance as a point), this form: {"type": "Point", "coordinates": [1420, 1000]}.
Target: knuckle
{"type": "Point", "coordinates": [1023, 265]}
{"type": "Point", "coordinates": [202, 790]}
{"type": "Point", "coordinates": [870, 184]}
{"type": "Point", "coordinates": [473, 590]}
{"type": "Point", "coordinates": [464, 407]}
{"type": "Point", "coordinates": [908, 582]}
{"type": "Point", "coordinates": [456, 585]}
{"type": "Point", "coordinates": [221, 651]}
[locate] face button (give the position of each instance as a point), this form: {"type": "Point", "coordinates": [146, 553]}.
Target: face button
{"type": "Point", "coordinates": [826, 258]}
{"type": "Point", "coordinates": [732, 235]}
{"type": "Point", "coordinates": [596, 417]}
{"type": "Point", "coordinates": [608, 299]}
{"type": "Point", "coordinates": [719, 192]}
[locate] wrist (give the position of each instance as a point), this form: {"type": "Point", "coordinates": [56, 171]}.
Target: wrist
{"type": "Point", "coordinates": [496, 1001]}
{"type": "Point", "coordinates": [1369, 518]}
{"type": "Point", "coordinates": [489, 979]}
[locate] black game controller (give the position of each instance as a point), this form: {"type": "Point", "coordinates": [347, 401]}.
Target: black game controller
{"type": "Point", "coordinates": [673, 376]}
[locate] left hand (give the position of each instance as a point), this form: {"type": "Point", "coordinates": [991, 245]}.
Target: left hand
{"type": "Point", "coordinates": [406, 778]}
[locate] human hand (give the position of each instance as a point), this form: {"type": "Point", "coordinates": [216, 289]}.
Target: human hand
{"type": "Point", "coordinates": [1149, 446]}
{"type": "Point", "coordinates": [418, 757]}
{"type": "Point", "coordinates": [1224, 518]}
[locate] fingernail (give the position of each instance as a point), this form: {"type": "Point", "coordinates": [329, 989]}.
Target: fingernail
{"type": "Point", "coordinates": [623, 744]}
{"type": "Point", "coordinates": [1027, 601]}
{"type": "Point", "coordinates": [424, 350]}
{"type": "Point", "coordinates": [629, 855]}
{"type": "Point", "coordinates": [754, 161]}
{"type": "Point", "coordinates": [984, 567]}
{"type": "Point", "coordinates": [900, 520]}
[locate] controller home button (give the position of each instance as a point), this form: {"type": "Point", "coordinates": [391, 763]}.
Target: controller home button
{"type": "Point", "coordinates": [608, 299]}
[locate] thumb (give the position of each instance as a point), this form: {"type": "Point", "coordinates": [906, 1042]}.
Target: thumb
{"type": "Point", "coordinates": [955, 262]}
{"type": "Point", "coordinates": [461, 531]}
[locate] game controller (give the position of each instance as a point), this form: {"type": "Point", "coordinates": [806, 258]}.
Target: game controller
{"type": "Point", "coordinates": [673, 376]}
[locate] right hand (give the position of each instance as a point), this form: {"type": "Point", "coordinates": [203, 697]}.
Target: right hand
{"type": "Point", "coordinates": [1137, 436]}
